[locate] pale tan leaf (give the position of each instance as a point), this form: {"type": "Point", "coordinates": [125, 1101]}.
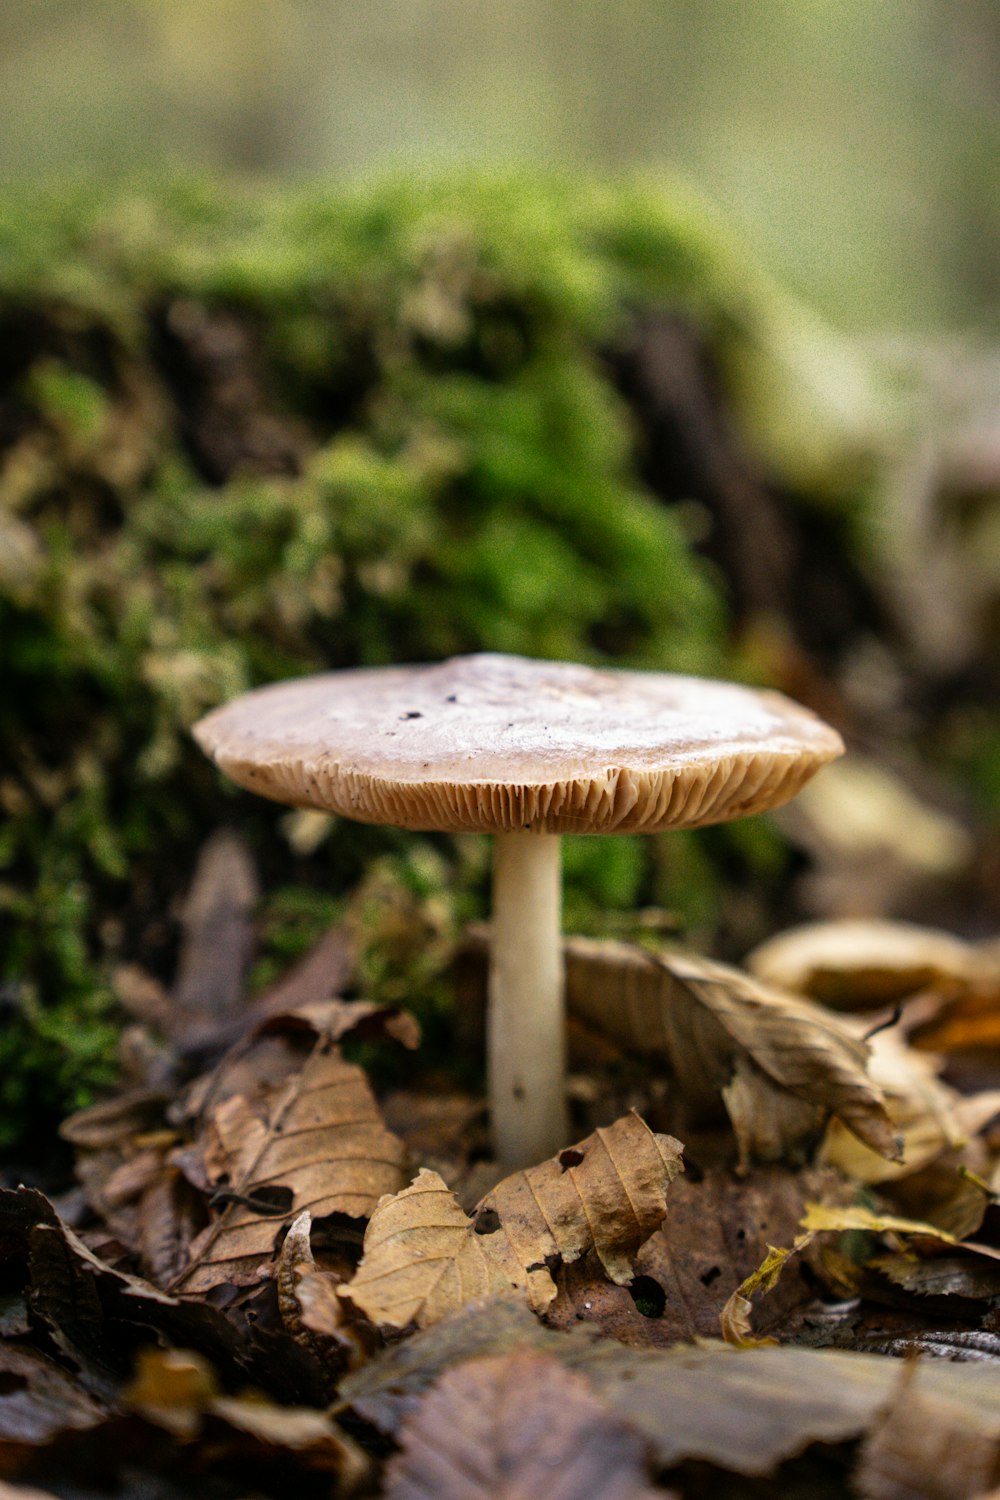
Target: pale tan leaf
{"type": "Point", "coordinates": [825, 1216]}
{"type": "Point", "coordinates": [318, 1141]}
{"type": "Point", "coordinates": [520, 1425]}
{"type": "Point", "coordinates": [607, 1194]}
{"type": "Point", "coordinates": [856, 964]}
{"type": "Point", "coordinates": [734, 1320]}
{"type": "Point", "coordinates": [721, 1032]}
{"type": "Point", "coordinates": [423, 1257]}
{"type": "Point", "coordinates": [928, 1116]}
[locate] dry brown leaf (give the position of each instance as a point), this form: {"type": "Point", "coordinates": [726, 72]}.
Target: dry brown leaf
{"type": "Point", "coordinates": [218, 940]}
{"type": "Point", "coordinates": [606, 1195]}
{"type": "Point", "coordinates": [856, 964]}
{"type": "Point", "coordinates": [39, 1401]}
{"type": "Point", "coordinates": [927, 1115]}
{"type": "Point", "coordinates": [744, 1410]}
{"type": "Point", "coordinates": [520, 1425]}
{"type": "Point", "coordinates": [721, 1032]}
{"type": "Point", "coordinates": [423, 1257]}
{"type": "Point", "coordinates": [311, 1311]}
{"type": "Point", "coordinates": [317, 1142]}
{"type": "Point", "coordinates": [735, 1318]}
{"type": "Point", "coordinates": [716, 1234]}
{"type": "Point", "coordinates": [926, 1447]}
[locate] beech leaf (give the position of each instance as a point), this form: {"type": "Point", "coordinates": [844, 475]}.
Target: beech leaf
{"type": "Point", "coordinates": [744, 1410]}
{"type": "Point", "coordinates": [424, 1257]}
{"type": "Point", "coordinates": [318, 1141]}
{"type": "Point", "coordinates": [608, 1194]}
{"type": "Point", "coordinates": [519, 1425]}
{"type": "Point", "coordinates": [720, 1031]}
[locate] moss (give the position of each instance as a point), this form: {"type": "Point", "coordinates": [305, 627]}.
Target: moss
{"type": "Point", "coordinates": [244, 436]}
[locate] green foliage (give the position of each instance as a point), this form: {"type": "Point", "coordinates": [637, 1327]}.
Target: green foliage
{"type": "Point", "coordinates": [463, 479]}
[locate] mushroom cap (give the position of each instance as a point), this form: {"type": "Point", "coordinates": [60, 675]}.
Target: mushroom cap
{"type": "Point", "coordinates": [494, 743]}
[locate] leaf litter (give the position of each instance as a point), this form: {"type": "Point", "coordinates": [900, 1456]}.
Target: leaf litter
{"type": "Point", "coordinates": [261, 1277]}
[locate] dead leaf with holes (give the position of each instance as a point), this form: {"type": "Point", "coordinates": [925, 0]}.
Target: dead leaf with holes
{"type": "Point", "coordinates": [519, 1424]}
{"type": "Point", "coordinates": [312, 1140]}
{"type": "Point", "coordinates": [423, 1257]}
{"type": "Point", "coordinates": [716, 1234]}
{"type": "Point", "coordinates": [781, 1064]}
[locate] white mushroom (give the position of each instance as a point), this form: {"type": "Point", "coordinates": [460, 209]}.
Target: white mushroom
{"type": "Point", "coordinates": [526, 750]}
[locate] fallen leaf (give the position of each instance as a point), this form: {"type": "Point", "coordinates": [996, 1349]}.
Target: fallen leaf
{"type": "Point", "coordinates": [177, 1390]}
{"type": "Point", "coordinates": [855, 964]}
{"type": "Point", "coordinates": [823, 1216]}
{"type": "Point", "coordinates": [315, 1142]}
{"type": "Point", "coordinates": [521, 1425]}
{"type": "Point", "coordinates": [941, 1275]}
{"type": "Point", "coordinates": [930, 1446]}
{"type": "Point", "coordinates": [927, 1115]}
{"type": "Point", "coordinates": [735, 1318]}
{"type": "Point", "coordinates": [423, 1257]}
{"type": "Point", "coordinates": [744, 1410]}
{"type": "Point", "coordinates": [39, 1401]}
{"type": "Point", "coordinates": [217, 941]}
{"type": "Point", "coordinates": [97, 1315]}
{"type": "Point", "coordinates": [716, 1234]}
{"type": "Point", "coordinates": [171, 1387]}
{"type": "Point", "coordinates": [723, 1033]}
{"type": "Point", "coordinates": [606, 1195]}
{"type": "Point", "coordinates": [310, 1308]}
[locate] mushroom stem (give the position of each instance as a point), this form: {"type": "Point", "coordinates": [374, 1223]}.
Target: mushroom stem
{"type": "Point", "coordinates": [527, 1026]}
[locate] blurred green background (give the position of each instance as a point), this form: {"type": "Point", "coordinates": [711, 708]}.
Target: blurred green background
{"type": "Point", "coordinates": [854, 142]}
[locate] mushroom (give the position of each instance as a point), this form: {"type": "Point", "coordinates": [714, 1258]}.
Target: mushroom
{"type": "Point", "coordinates": [526, 750]}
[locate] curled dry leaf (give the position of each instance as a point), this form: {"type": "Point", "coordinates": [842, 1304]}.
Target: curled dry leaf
{"type": "Point", "coordinates": [856, 964]}
{"type": "Point", "coordinates": [521, 1425]}
{"type": "Point", "coordinates": [927, 1115]}
{"type": "Point", "coordinates": [607, 1195]}
{"type": "Point", "coordinates": [424, 1257]}
{"type": "Point", "coordinates": [313, 1141]}
{"type": "Point", "coordinates": [715, 1236]}
{"type": "Point", "coordinates": [311, 1311]}
{"type": "Point", "coordinates": [782, 1064]}
{"type": "Point", "coordinates": [735, 1318]}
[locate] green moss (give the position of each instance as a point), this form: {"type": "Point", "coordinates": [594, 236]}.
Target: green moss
{"type": "Point", "coordinates": [465, 479]}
